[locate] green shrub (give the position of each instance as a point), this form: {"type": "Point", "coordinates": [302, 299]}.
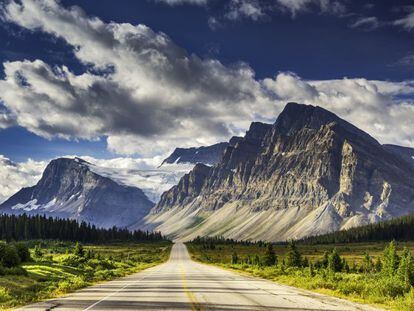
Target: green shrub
{"type": "Point", "coordinates": [23, 251]}
{"type": "Point", "coordinates": [101, 264]}
{"type": "Point", "coordinates": [37, 251]}
{"type": "Point", "coordinates": [405, 303]}
{"type": "Point", "coordinates": [15, 271]}
{"type": "Point", "coordinates": [72, 260]}
{"type": "Point", "coordinates": [9, 256]}
{"type": "Point", "coordinates": [104, 274]}
{"type": "Point", "coordinates": [79, 250]}
{"type": "Point", "coordinates": [387, 287]}
{"type": "Point", "coordinates": [351, 287]}
{"type": "Point", "coordinates": [71, 284]}
{"type": "Point", "coordinates": [4, 295]}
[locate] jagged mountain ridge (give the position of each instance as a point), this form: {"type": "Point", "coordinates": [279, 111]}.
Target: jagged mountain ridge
{"type": "Point", "coordinates": [208, 155]}
{"type": "Point", "coordinates": [70, 189]}
{"type": "Point", "coordinates": [308, 173]}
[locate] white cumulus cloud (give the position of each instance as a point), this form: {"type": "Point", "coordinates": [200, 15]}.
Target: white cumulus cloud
{"type": "Point", "coordinates": [148, 95]}
{"type": "Point", "coordinates": [15, 175]}
{"type": "Point", "coordinates": [153, 89]}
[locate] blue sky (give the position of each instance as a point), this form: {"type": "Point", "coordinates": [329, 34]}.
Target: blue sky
{"type": "Point", "coordinates": [245, 59]}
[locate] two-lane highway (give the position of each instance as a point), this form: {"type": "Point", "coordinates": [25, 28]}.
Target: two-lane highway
{"type": "Point", "coordinates": [182, 284]}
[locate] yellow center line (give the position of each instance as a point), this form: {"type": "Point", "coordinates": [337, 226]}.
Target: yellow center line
{"type": "Point", "coordinates": [195, 305]}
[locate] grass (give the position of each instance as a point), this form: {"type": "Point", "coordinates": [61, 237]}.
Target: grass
{"type": "Point", "coordinates": [368, 288]}
{"type": "Point", "coordinates": [58, 271]}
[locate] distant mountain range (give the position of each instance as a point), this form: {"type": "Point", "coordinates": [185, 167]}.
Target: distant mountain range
{"type": "Point", "coordinates": [208, 155]}
{"type": "Point", "coordinates": [74, 188]}
{"type": "Point", "coordinates": [308, 173]}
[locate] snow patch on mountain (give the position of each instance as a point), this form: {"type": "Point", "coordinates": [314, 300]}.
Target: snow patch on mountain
{"type": "Point", "coordinates": [29, 206]}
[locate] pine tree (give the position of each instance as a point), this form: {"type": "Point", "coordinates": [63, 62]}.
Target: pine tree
{"type": "Point", "coordinates": [311, 271]}
{"type": "Point", "coordinates": [293, 257]}
{"type": "Point", "coordinates": [405, 271]}
{"type": "Point", "coordinates": [257, 260]}
{"type": "Point", "coordinates": [79, 251]}
{"type": "Point", "coordinates": [367, 263]}
{"type": "Point", "coordinates": [334, 261]}
{"type": "Point", "coordinates": [325, 259]}
{"type": "Point", "coordinates": [391, 260]}
{"type": "Point", "coordinates": [234, 259]}
{"type": "Point", "coordinates": [378, 265]}
{"type": "Point", "coordinates": [270, 258]}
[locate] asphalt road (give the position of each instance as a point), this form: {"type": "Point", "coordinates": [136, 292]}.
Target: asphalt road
{"type": "Point", "coordinates": [182, 284]}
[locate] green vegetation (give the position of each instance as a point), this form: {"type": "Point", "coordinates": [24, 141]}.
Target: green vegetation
{"type": "Point", "coordinates": [378, 273]}
{"type": "Point", "coordinates": [400, 229]}
{"type": "Point", "coordinates": [23, 227]}
{"type": "Point", "coordinates": [36, 270]}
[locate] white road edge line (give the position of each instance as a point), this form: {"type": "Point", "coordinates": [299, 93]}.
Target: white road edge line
{"type": "Point", "coordinates": [119, 290]}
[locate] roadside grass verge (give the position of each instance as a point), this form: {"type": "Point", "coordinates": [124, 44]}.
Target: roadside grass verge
{"type": "Point", "coordinates": [358, 276]}
{"type": "Point", "coordinates": [58, 268]}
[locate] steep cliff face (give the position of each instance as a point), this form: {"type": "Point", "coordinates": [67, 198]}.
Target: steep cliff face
{"type": "Point", "coordinates": [308, 173]}
{"type": "Point", "coordinates": [70, 189]}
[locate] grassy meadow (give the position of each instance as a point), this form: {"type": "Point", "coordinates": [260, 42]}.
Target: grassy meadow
{"type": "Point", "coordinates": [373, 273]}
{"type": "Point", "coordinates": [57, 268]}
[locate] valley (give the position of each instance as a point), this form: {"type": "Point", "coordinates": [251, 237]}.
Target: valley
{"type": "Point", "coordinates": [310, 177]}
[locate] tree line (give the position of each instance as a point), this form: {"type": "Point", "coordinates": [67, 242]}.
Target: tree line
{"type": "Point", "coordinates": [24, 227]}
{"type": "Point", "coordinates": [399, 268]}
{"type": "Point", "coordinates": [400, 229]}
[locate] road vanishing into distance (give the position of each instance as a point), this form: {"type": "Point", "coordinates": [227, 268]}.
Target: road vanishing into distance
{"type": "Point", "coordinates": [182, 284]}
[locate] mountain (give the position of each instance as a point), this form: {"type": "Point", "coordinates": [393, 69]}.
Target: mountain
{"type": "Point", "coordinates": [208, 155]}
{"type": "Point", "coordinates": [69, 188]}
{"type": "Point", "coordinates": [404, 152]}
{"type": "Point", "coordinates": [308, 173]}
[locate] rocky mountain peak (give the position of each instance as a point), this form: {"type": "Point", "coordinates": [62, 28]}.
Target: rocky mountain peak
{"type": "Point", "coordinates": [309, 173]}
{"type": "Point", "coordinates": [70, 189]}
{"type": "Point", "coordinates": [295, 117]}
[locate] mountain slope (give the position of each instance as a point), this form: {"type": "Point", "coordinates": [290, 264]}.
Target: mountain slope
{"type": "Point", "coordinates": [404, 152]}
{"type": "Point", "coordinates": [208, 155]}
{"type": "Point", "coordinates": [70, 189]}
{"type": "Point", "coordinates": [308, 173]}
